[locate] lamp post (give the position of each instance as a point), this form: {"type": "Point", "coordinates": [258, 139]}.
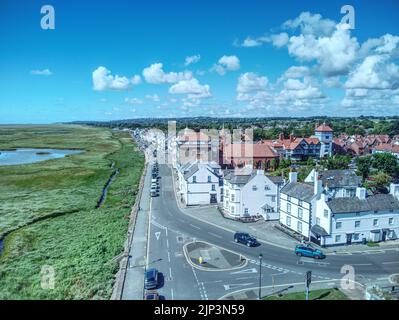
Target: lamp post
{"type": "Point", "coordinates": [260, 276]}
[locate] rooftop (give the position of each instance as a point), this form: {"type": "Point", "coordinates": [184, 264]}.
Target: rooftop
{"type": "Point", "coordinates": [377, 202]}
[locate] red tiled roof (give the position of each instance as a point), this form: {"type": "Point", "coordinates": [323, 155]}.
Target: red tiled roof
{"type": "Point", "coordinates": [324, 128]}
{"type": "Point", "coordinates": [193, 136]}
{"type": "Point", "coordinates": [248, 150]}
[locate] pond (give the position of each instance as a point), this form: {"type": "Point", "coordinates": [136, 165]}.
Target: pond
{"type": "Point", "coordinates": [32, 155]}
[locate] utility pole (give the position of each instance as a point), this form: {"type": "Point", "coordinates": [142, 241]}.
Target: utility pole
{"type": "Point", "coordinates": [260, 276]}
{"type": "Point", "coordinates": [308, 281]}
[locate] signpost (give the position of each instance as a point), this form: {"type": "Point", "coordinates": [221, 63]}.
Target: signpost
{"type": "Point", "coordinates": [308, 281]}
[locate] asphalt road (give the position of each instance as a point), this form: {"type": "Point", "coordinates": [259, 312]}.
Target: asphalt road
{"type": "Point", "coordinates": [170, 228]}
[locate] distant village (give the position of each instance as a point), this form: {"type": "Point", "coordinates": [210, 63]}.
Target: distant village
{"type": "Point", "coordinates": [327, 207]}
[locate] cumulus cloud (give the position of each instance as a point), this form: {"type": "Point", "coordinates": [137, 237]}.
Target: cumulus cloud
{"type": "Point", "coordinates": [191, 87]}
{"type": "Point", "coordinates": [250, 82]}
{"type": "Point", "coordinates": [311, 24]}
{"type": "Point", "coordinates": [154, 74]}
{"type": "Point", "coordinates": [375, 72]}
{"type": "Point", "coordinates": [227, 63]}
{"type": "Point", "coordinates": [104, 80]}
{"type": "Point", "coordinates": [192, 59]}
{"type": "Point", "coordinates": [44, 72]}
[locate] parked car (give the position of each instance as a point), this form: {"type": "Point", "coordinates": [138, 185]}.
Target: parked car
{"type": "Point", "coordinates": [245, 238]}
{"type": "Point", "coordinates": [154, 186]}
{"type": "Point", "coordinates": [151, 296]}
{"type": "Point", "coordinates": [308, 251]}
{"type": "Point", "coordinates": [151, 279]}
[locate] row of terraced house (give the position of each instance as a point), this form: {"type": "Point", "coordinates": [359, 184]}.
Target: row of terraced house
{"type": "Point", "coordinates": [330, 207]}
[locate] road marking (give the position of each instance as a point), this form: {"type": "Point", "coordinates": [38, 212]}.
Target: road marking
{"type": "Point", "coordinates": [157, 235]}
{"type": "Point", "coordinates": [253, 270]}
{"type": "Point", "coordinates": [236, 285]}
{"type": "Point", "coordinates": [245, 278]}
{"type": "Point", "coordinates": [361, 264]}
{"type": "Point", "coordinates": [170, 272]}
{"type": "Point", "coordinates": [167, 243]}
{"type": "Point", "coordinates": [171, 293]}
{"type": "Point", "coordinates": [168, 256]}
{"type": "Point", "coordinates": [215, 235]}
{"type": "Point", "coordinates": [390, 262]}
{"type": "Point", "coordinates": [198, 228]}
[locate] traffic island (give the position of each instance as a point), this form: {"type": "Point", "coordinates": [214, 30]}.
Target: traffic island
{"type": "Point", "coordinates": [208, 257]}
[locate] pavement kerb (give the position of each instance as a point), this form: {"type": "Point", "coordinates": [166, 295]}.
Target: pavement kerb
{"type": "Point", "coordinates": [208, 269]}
{"type": "Point", "coordinates": [215, 225]}
{"type": "Point", "coordinates": [286, 285]}
{"type": "Point", "coordinates": [120, 276]}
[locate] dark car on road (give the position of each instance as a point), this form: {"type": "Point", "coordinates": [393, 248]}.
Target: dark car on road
{"type": "Point", "coordinates": [245, 238]}
{"type": "Point", "coordinates": [308, 251]}
{"type": "Point", "coordinates": [151, 279]}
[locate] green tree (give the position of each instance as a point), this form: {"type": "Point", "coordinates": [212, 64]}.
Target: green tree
{"type": "Point", "coordinates": [337, 162]}
{"type": "Point", "coordinates": [387, 163]}
{"type": "Point", "coordinates": [380, 181]}
{"type": "Point", "coordinates": [364, 166]}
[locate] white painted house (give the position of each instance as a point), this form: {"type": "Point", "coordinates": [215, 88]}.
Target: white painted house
{"type": "Point", "coordinates": [200, 183]}
{"type": "Point", "coordinates": [250, 194]}
{"type": "Point", "coordinates": [296, 205]}
{"type": "Point", "coordinates": [356, 219]}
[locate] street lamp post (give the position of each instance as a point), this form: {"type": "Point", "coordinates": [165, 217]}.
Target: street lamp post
{"type": "Point", "coordinates": [260, 276]}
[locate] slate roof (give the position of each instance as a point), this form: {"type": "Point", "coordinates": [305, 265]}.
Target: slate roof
{"type": "Point", "coordinates": [298, 190]}
{"type": "Point", "coordinates": [193, 169]}
{"type": "Point", "coordinates": [377, 202]}
{"type": "Point", "coordinates": [339, 178]}
{"type": "Point", "coordinates": [276, 179]}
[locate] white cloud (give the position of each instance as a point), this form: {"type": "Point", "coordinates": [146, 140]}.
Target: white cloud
{"type": "Point", "coordinates": [375, 72]}
{"type": "Point", "coordinates": [227, 63]}
{"type": "Point", "coordinates": [296, 89]}
{"type": "Point", "coordinates": [311, 24]}
{"type": "Point", "coordinates": [192, 59]}
{"type": "Point", "coordinates": [154, 74]}
{"type": "Point", "coordinates": [279, 40]}
{"type": "Point", "coordinates": [250, 82]}
{"type": "Point", "coordinates": [191, 87]}
{"type": "Point", "coordinates": [104, 80]}
{"type": "Point", "coordinates": [335, 54]}
{"type": "Point", "coordinates": [296, 72]}
{"type": "Point", "coordinates": [249, 42]}
{"type": "Point", "coordinates": [44, 72]}
{"type": "Point", "coordinates": [133, 101]}
{"type": "Point", "coordinates": [154, 97]}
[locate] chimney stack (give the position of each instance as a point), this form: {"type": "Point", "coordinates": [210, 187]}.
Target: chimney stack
{"type": "Point", "coordinates": [361, 193]}
{"type": "Point", "coordinates": [317, 184]}
{"type": "Point", "coordinates": [293, 176]}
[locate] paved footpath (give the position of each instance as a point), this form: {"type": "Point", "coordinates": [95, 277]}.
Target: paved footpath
{"type": "Point", "coordinates": [265, 231]}
{"type": "Point", "coordinates": [134, 281]}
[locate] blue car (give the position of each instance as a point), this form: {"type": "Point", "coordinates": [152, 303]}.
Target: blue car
{"type": "Point", "coordinates": [308, 251]}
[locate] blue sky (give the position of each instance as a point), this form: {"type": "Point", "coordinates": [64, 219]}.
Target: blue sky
{"type": "Point", "coordinates": [127, 59]}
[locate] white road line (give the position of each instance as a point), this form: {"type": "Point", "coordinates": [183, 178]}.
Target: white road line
{"type": "Point", "coordinates": [244, 278]}
{"type": "Point", "coordinates": [170, 272]}
{"type": "Point", "coordinates": [167, 243]}
{"type": "Point", "coordinates": [361, 264]}
{"type": "Point", "coordinates": [215, 235]}
{"type": "Point", "coordinates": [195, 226]}
{"type": "Point", "coordinates": [168, 256]}
{"type": "Point", "coordinates": [171, 293]}
{"type": "Point", "coordinates": [390, 262]}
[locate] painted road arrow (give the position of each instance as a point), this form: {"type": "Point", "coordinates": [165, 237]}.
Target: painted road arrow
{"type": "Point", "coordinates": [253, 270]}
{"type": "Point", "coordinates": [157, 235]}
{"type": "Point", "coordinates": [232, 286]}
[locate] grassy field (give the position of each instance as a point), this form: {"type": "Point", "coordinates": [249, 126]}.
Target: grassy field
{"type": "Point", "coordinates": [47, 209]}
{"type": "Point", "coordinates": [323, 294]}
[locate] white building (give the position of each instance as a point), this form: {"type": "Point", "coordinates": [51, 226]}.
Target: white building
{"type": "Point", "coordinates": [325, 134]}
{"type": "Point", "coordinates": [326, 211]}
{"type": "Point", "coordinates": [200, 183]}
{"type": "Point", "coordinates": [296, 205]}
{"type": "Point", "coordinates": [250, 194]}
{"type": "Point", "coordinates": [353, 220]}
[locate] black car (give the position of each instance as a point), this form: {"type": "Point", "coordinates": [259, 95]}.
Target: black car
{"type": "Point", "coordinates": [245, 238]}
{"type": "Point", "coordinates": [151, 279]}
